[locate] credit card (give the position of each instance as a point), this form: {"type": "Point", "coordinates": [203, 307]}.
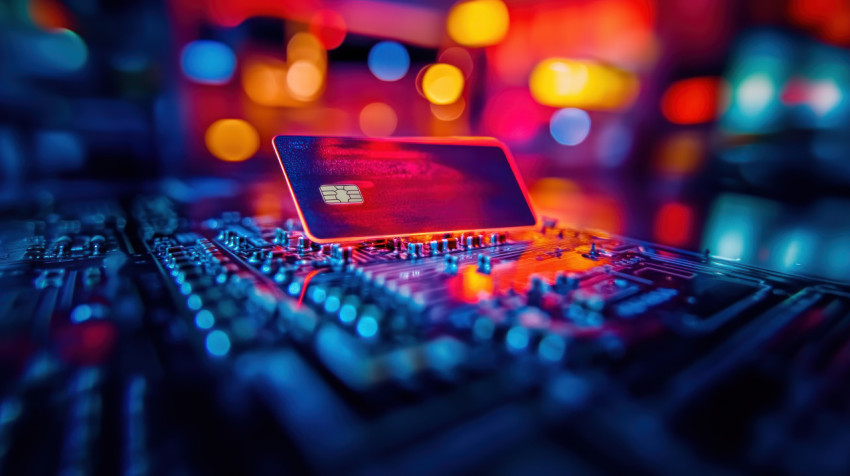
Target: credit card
{"type": "Point", "coordinates": [355, 189]}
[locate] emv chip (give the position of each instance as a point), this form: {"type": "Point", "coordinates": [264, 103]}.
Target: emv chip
{"type": "Point", "coordinates": [341, 194]}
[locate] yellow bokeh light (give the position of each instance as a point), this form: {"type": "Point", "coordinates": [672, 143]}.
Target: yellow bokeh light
{"type": "Point", "coordinates": [232, 140]}
{"type": "Point", "coordinates": [478, 22]}
{"type": "Point", "coordinates": [304, 80]}
{"type": "Point", "coordinates": [557, 81]}
{"type": "Point", "coordinates": [448, 112]}
{"type": "Point", "coordinates": [561, 82]}
{"type": "Point", "coordinates": [442, 83]}
{"type": "Point", "coordinates": [304, 46]}
{"type": "Point", "coordinates": [378, 119]}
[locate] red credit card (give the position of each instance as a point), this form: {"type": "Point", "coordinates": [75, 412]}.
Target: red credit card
{"type": "Point", "coordinates": [354, 189]}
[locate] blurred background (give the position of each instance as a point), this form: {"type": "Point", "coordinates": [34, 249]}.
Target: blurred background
{"type": "Point", "coordinates": [717, 125]}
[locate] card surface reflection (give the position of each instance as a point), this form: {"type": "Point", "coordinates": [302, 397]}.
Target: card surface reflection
{"type": "Point", "coordinates": [350, 188]}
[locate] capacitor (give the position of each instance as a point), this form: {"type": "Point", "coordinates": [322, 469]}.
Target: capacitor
{"type": "Point", "coordinates": [484, 264]}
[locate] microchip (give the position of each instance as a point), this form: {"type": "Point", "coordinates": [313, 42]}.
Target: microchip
{"type": "Point", "coordinates": [341, 194]}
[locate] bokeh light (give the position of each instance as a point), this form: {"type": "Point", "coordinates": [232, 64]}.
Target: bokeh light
{"type": "Point", "coordinates": [442, 83]}
{"type": "Point", "coordinates": [217, 343]}
{"type": "Point", "coordinates": [673, 224]}
{"type": "Point", "coordinates": [460, 57]}
{"type": "Point", "coordinates": [448, 112]}
{"type": "Point", "coordinates": [758, 73]}
{"type": "Point", "coordinates": [388, 60]}
{"type": "Point", "coordinates": [556, 81]}
{"type": "Point", "coordinates": [329, 27]}
{"type": "Point", "coordinates": [828, 18]}
{"type": "Point", "coordinates": [306, 46]}
{"type": "Point", "coordinates": [692, 101]}
{"type": "Point", "coordinates": [204, 319]}
{"type": "Point", "coordinates": [378, 120]}
{"type": "Point", "coordinates": [49, 14]}
{"type": "Point", "coordinates": [812, 12]}
{"type": "Point", "coordinates": [561, 82]}
{"type": "Point", "coordinates": [208, 62]}
{"type": "Point", "coordinates": [680, 154]}
{"type": "Point", "coordinates": [570, 126]}
{"type": "Point", "coordinates": [304, 80]}
{"type": "Point", "coordinates": [755, 93]}
{"type": "Point", "coordinates": [478, 22]}
{"type": "Point", "coordinates": [513, 115]}
{"type": "Point", "coordinates": [367, 327]}
{"type": "Point", "coordinates": [736, 225]}
{"type": "Point", "coordinates": [264, 81]}
{"type": "Point", "coordinates": [232, 140]}
{"type": "Point", "coordinates": [56, 52]}
{"type": "Point", "coordinates": [793, 248]}
{"type": "Point", "coordinates": [824, 96]}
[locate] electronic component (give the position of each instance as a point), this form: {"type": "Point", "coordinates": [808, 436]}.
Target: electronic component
{"type": "Point", "coordinates": [151, 337]}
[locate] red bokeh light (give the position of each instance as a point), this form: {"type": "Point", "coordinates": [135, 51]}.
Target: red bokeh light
{"type": "Point", "coordinates": [89, 343]}
{"type": "Point", "coordinates": [692, 101]}
{"type": "Point", "coordinates": [673, 224]}
{"type": "Point", "coordinates": [813, 12]}
{"type": "Point", "coordinates": [829, 18]}
{"type": "Point", "coordinates": [329, 27]}
{"type": "Point", "coordinates": [49, 14]}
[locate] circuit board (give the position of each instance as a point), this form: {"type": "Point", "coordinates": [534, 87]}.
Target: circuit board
{"type": "Point", "coordinates": [137, 340]}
